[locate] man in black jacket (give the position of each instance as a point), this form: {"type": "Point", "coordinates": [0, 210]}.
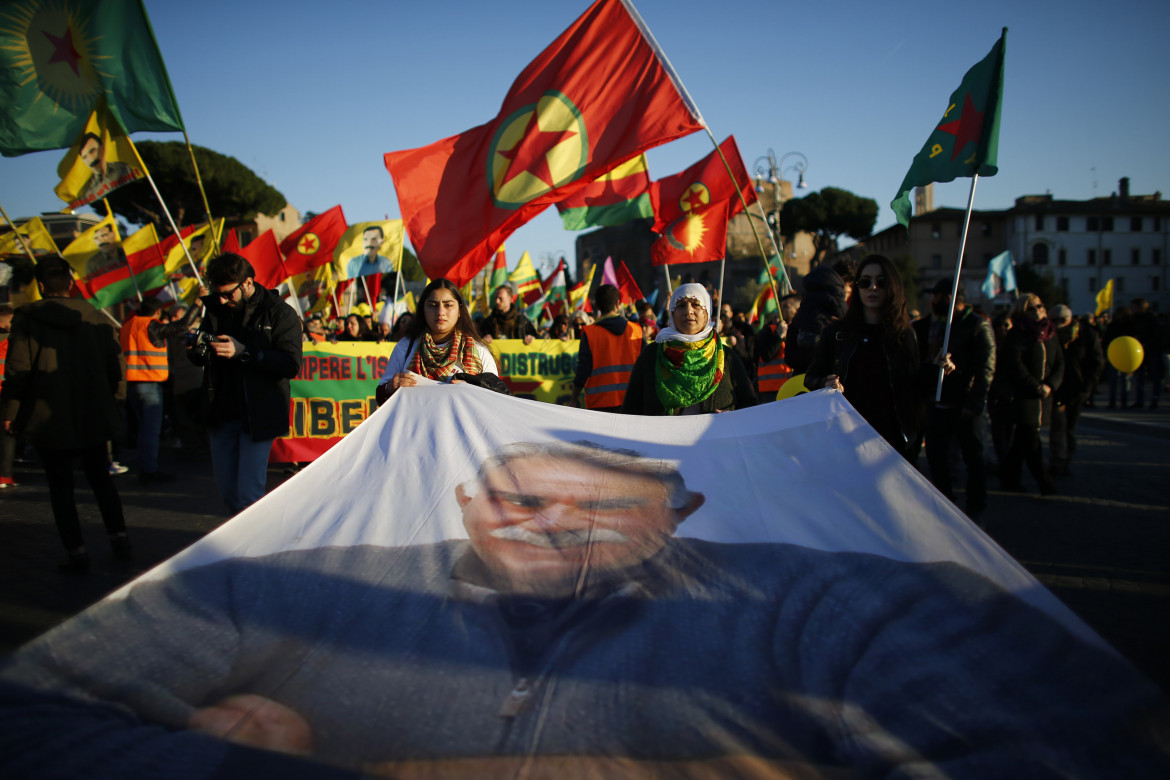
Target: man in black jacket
{"type": "Point", "coordinates": [970, 364]}
{"type": "Point", "coordinates": [255, 349]}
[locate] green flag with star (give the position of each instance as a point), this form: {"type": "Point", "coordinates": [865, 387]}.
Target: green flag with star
{"type": "Point", "coordinates": [966, 140]}
{"type": "Point", "coordinates": [58, 57]}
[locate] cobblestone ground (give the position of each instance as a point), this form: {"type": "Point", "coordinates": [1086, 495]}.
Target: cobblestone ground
{"type": "Point", "coordinates": [1102, 544]}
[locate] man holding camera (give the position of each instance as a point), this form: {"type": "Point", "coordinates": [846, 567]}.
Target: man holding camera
{"type": "Point", "coordinates": [250, 344]}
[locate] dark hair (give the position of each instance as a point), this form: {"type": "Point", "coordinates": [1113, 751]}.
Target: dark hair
{"type": "Point", "coordinates": [6, 310]}
{"type": "Point", "coordinates": [847, 270]}
{"type": "Point", "coordinates": [229, 268]}
{"type": "Point", "coordinates": [608, 298]}
{"type": "Point", "coordinates": [55, 275]}
{"type": "Point", "coordinates": [88, 136]}
{"type": "Point", "coordinates": [418, 324]}
{"type": "Point", "coordinates": [895, 318]}
{"type": "Point", "coordinates": [148, 307]}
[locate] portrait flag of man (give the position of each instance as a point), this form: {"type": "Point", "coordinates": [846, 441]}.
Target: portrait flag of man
{"type": "Point", "coordinates": [58, 58]}
{"type": "Point", "coordinates": [101, 160]}
{"type": "Point", "coordinates": [703, 183]}
{"type": "Point", "coordinates": [199, 242]}
{"type": "Point", "coordinates": [600, 94]}
{"type": "Point", "coordinates": [35, 235]}
{"type": "Point", "coordinates": [526, 279]}
{"type": "Point", "coordinates": [695, 236]}
{"type": "Point", "coordinates": [965, 142]}
{"type": "Point", "coordinates": [616, 198]}
{"type": "Point", "coordinates": [368, 248]}
{"type": "Point", "coordinates": [115, 270]}
{"type": "Point", "coordinates": [312, 244]}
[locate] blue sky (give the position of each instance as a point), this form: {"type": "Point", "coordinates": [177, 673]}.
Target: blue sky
{"type": "Point", "coordinates": [310, 95]}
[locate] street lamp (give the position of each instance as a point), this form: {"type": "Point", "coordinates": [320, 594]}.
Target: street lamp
{"type": "Point", "coordinates": [767, 168]}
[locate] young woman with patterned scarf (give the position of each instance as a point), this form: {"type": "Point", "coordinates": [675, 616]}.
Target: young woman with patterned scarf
{"type": "Point", "coordinates": [686, 370]}
{"type": "Point", "coordinates": [438, 345]}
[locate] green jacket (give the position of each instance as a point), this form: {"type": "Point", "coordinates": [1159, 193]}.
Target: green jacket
{"type": "Point", "coordinates": [62, 374]}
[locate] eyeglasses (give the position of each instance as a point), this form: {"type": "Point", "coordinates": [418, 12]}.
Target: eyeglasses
{"type": "Point", "coordinates": [227, 296]}
{"type": "Point", "coordinates": [865, 282]}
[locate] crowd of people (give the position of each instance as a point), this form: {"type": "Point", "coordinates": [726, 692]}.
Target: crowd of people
{"type": "Point", "coordinates": [213, 378]}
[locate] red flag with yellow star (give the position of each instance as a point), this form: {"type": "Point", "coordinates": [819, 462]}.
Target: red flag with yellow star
{"type": "Point", "coordinates": [696, 236]}
{"type": "Point", "coordinates": [312, 243]}
{"type": "Point", "coordinates": [597, 96]}
{"type": "Point", "coordinates": [703, 183]}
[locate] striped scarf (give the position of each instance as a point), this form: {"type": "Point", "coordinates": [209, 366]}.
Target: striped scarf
{"type": "Point", "coordinates": [688, 373]}
{"type": "Point", "coordinates": [442, 361]}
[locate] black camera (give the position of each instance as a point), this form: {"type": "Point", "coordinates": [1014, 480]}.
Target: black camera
{"type": "Point", "coordinates": [199, 343]}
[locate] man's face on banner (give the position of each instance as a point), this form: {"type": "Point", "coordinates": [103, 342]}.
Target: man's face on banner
{"type": "Point", "coordinates": [546, 524]}
{"type": "Point", "coordinates": [104, 238]}
{"type": "Point", "coordinates": [372, 242]}
{"type": "Point", "coordinates": [91, 154]}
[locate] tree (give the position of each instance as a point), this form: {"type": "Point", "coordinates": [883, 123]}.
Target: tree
{"type": "Point", "coordinates": [1040, 282]}
{"type": "Point", "coordinates": [828, 215]}
{"type": "Point", "coordinates": [233, 190]}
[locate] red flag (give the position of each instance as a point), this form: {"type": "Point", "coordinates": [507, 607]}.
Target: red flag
{"type": "Point", "coordinates": [264, 255]}
{"type": "Point", "coordinates": [597, 96]}
{"type": "Point", "coordinates": [312, 244]}
{"type": "Point", "coordinates": [694, 237]}
{"type": "Point", "coordinates": [231, 243]}
{"type": "Point", "coordinates": [702, 184]}
{"type": "Point", "coordinates": [630, 291]}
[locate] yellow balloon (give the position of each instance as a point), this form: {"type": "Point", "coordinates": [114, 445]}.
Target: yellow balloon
{"type": "Point", "coordinates": [793, 387]}
{"type": "Point", "coordinates": [1125, 354]}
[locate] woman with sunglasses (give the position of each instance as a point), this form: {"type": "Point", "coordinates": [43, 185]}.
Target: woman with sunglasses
{"type": "Point", "coordinates": [686, 369]}
{"type": "Point", "coordinates": [438, 345]}
{"type": "Point", "coordinates": [1032, 367]}
{"type": "Point", "coordinates": [871, 354]}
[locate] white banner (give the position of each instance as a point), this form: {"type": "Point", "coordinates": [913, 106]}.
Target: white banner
{"type": "Point", "coordinates": [471, 585]}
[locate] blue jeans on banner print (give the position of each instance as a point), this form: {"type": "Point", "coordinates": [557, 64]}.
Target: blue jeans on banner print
{"type": "Point", "coordinates": [240, 465]}
{"type": "Point", "coordinates": [146, 404]}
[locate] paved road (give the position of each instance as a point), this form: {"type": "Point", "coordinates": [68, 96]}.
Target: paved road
{"type": "Point", "coordinates": [1102, 545]}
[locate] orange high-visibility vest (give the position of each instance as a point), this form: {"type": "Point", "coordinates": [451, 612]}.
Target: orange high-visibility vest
{"type": "Point", "coordinates": [3, 359]}
{"type": "Point", "coordinates": [144, 361]}
{"type": "Point", "coordinates": [613, 359]}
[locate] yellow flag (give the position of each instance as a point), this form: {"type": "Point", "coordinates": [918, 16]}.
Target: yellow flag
{"type": "Point", "coordinates": [101, 160]}
{"type": "Point", "coordinates": [527, 282]}
{"type": "Point", "coordinates": [35, 233]}
{"type": "Point", "coordinates": [368, 248]}
{"type": "Point", "coordinates": [1105, 298]}
{"type": "Point", "coordinates": [96, 251]}
{"type": "Point", "coordinates": [314, 288]}
{"type": "Point", "coordinates": [580, 293]}
{"type": "Point", "coordinates": [199, 243]}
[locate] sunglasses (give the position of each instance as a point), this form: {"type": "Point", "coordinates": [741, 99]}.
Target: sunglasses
{"type": "Point", "coordinates": [227, 296]}
{"type": "Point", "coordinates": [865, 282]}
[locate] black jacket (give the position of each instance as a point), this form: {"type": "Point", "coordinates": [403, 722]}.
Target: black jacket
{"type": "Point", "coordinates": [972, 348]}
{"type": "Point", "coordinates": [253, 389]}
{"type": "Point", "coordinates": [835, 351]}
{"type": "Point", "coordinates": [823, 302]}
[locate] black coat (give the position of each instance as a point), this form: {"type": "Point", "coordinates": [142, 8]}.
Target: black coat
{"type": "Point", "coordinates": [735, 389]}
{"type": "Point", "coordinates": [823, 302]}
{"type": "Point", "coordinates": [972, 349]}
{"type": "Point", "coordinates": [840, 341]}
{"type": "Point", "coordinates": [254, 390]}
{"type": "Point", "coordinates": [1028, 364]}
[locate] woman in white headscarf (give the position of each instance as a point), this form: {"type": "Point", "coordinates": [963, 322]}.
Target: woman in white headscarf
{"type": "Point", "coordinates": [686, 370]}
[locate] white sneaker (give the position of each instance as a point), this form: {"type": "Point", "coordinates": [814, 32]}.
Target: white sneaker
{"type": "Point", "coordinates": [118, 468]}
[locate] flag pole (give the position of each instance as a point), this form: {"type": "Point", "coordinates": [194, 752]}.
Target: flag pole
{"type": "Point", "coordinates": [366, 288]}
{"type": "Point", "coordinates": [171, 222]}
{"type": "Point", "coordinates": [955, 286]}
{"type": "Point", "coordinates": [666, 273]}
{"type": "Point", "coordinates": [751, 223]}
{"type": "Point", "coordinates": [215, 236]}
{"type": "Point", "coordinates": [27, 249]}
